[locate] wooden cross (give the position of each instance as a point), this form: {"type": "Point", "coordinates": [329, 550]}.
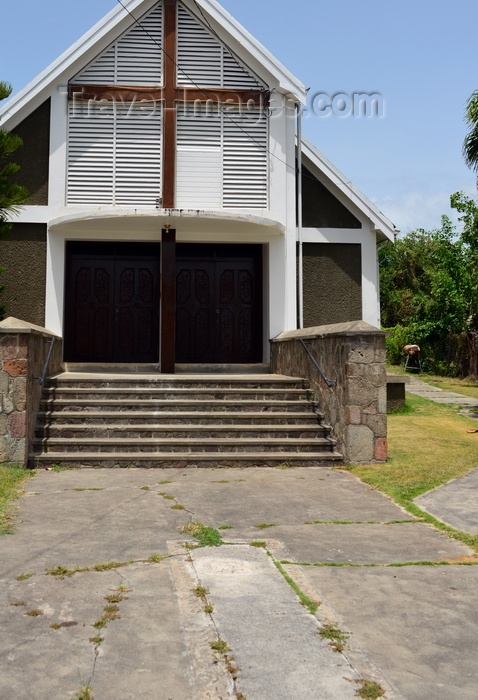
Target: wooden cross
{"type": "Point", "coordinates": [170, 95]}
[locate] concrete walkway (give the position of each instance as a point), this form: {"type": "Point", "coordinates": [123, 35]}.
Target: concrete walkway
{"type": "Point", "coordinates": [101, 589]}
{"type": "Point", "coordinates": [453, 503]}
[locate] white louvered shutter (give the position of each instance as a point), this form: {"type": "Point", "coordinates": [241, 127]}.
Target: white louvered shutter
{"type": "Point", "coordinates": [245, 158]}
{"type": "Point", "coordinates": [199, 157]}
{"type": "Point", "coordinates": [203, 61]}
{"type": "Point", "coordinates": [114, 154]}
{"type": "Point", "coordinates": [136, 58]}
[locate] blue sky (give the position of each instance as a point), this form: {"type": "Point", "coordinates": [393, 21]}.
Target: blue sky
{"type": "Point", "coordinates": [420, 56]}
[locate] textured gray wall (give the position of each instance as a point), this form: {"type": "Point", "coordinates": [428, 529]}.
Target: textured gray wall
{"type": "Point", "coordinates": [33, 156]}
{"type": "Point", "coordinates": [332, 283]}
{"type": "Point", "coordinates": [320, 209]}
{"type": "Point", "coordinates": [23, 255]}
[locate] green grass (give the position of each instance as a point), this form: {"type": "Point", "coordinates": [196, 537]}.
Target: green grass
{"type": "Point", "coordinates": [206, 536]}
{"type": "Point", "coordinates": [428, 446]}
{"type": "Point", "coordinates": [12, 479]}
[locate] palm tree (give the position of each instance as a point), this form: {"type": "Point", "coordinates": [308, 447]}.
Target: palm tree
{"type": "Point", "coordinates": [470, 144]}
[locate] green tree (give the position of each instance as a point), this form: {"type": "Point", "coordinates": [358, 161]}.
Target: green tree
{"type": "Point", "coordinates": [429, 292]}
{"type": "Point", "coordinates": [470, 144]}
{"type": "Point", "coordinates": [12, 195]}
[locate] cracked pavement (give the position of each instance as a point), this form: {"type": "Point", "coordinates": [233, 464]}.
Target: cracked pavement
{"type": "Point", "coordinates": [401, 590]}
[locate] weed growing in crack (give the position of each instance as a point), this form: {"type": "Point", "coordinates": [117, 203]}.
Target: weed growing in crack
{"type": "Point", "coordinates": [18, 604]}
{"type": "Point", "coordinates": [24, 577]}
{"type": "Point", "coordinates": [264, 526]}
{"type": "Point", "coordinates": [55, 626]}
{"type": "Point", "coordinates": [178, 506]}
{"type": "Point", "coordinates": [369, 690]}
{"type": "Point", "coordinates": [34, 613]}
{"type": "Point", "coordinates": [225, 527]}
{"type": "Point", "coordinates": [335, 636]}
{"type": "Point", "coordinates": [61, 571]}
{"type": "Point", "coordinates": [201, 591]}
{"type": "Point", "coordinates": [85, 693]}
{"type": "Point", "coordinates": [96, 640]}
{"type": "Point", "coordinates": [258, 543]}
{"type": "Point", "coordinates": [220, 646]}
{"type": "Point", "coordinates": [155, 558]}
{"type": "Point", "coordinates": [209, 609]}
{"type": "Point", "coordinates": [307, 602]}
{"type": "Point", "coordinates": [166, 496]}
{"type": "Point", "coordinates": [145, 488]}
{"type": "Point", "coordinates": [110, 565]}
{"type": "Point", "coordinates": [115, 597]}
{"type": "Point", "coordinates": [161, 483]}
{"type": "Point", "coordinates": [206, 536]}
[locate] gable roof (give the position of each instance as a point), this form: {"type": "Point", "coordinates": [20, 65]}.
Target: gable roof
{"type": "Point", "coordinates": [119, 20]}
{"type": "Point", "coordinates": [383, 226]}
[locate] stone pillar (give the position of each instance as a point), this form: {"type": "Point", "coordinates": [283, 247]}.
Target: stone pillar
{"type": "Point", "coordinates": [23, 352]}
{"type": "Point", "coordinates": [356, 408]}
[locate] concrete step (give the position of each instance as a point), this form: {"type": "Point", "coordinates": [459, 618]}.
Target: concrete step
{"type": "Point", "coordinates": [178, 432]}
{"type": "Point", "coordinates": [191, 418]}
{"type": "Point", "coordinates": [162, 460]}
{"type": "Point", "coordinates": [175, 405]}
{"type": "Point", "coordinates": [196, 445]}
{"type": "Point", "coordinates": [88, 381]}
{"type": "Point", "coordinates": [172, 393]}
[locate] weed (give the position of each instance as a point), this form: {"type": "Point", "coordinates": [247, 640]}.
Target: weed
{"type": "Point", "coordinates": [369, 690]}
{"type": "Point", "coordinates": [61, 571]}
{"type": "Point", "coordinates": [24, 577]}
{"type": "Point", "coordinates": [206, 536]}
{"type": "Point", "coordinates": [111, 612]}
{"type": "Point", "coordinates": [284, 465]}
{"type": "Point", "coordinates": [87, 489]}
{"type": "Point", "coordinates": [55, 626]}
{"type": "Point", "coordinates": [209, 609]}
{"type": "Point", "coordinates": [96, 640]}
{"type": "Point", "coordinates": [34, 613]}
{"type": "Point", "coordinates": [18, 604]}
{"type": "Point", "coordinates": [225, 527]}
{"type": "Point", "coordinates": [220, 646]}
{"type": "Point", "coordinates": [155, 558]}
{"type": "Point", "coordinates": [115, 597]}
{"type": "Point", "coordinates": [110, 565]}
{"type": "Point", "coordinates": [85, 693]}
{"type": "Point", "coordinates": [264, 526]}
{"type": "Point", "coordinates": [258, 543]}
{"type": "Point", "coordinates": [57, 468]}
{"type": "Point", "coordinates": [200, 591]}
{"type": "Point", "coordinates": [178, 506]}
{"type": "Point", "coordinates": [164, 482]}
{"type": "Point", "coordinates": [221, 481]}
{"type": "Point", "coordinates": [336, 637]}
{"type": "Point", "coordinates": [167, 496]}
{"type": "Point", "coordinates": [145, 488]}
{"type": "Point", "coordinates": [307, 602]}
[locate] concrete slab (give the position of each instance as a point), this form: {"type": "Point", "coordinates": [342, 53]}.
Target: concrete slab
{"type": "Point", "coordinates": [274, 641]}
{"type": "Point", "coordinates": [417, 623]}
{"type": "Point", "coordinates": [362, 544]}
{"type": "Point", "coordinates": [286, 497]}
{"type": "Point", "coordinates": [143, 654]}
{"type": "Point", "coordinates": [432, 393]}
{"type": "Point", "coordinates": [454, 503]}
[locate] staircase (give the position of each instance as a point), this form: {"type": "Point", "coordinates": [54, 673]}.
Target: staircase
{"type": "Point", "coordinates": [149, 420]}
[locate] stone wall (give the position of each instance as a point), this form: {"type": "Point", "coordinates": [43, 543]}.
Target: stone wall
{"type": "Point", "coordinates": [356, 408]}
{"type": "Point", "coordinates": [23, 352]}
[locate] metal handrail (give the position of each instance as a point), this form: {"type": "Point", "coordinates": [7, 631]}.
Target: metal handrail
{"type": "Point", "coordinates": [331, 383]}
{"type": "Point", "coordinates": [42, 377]}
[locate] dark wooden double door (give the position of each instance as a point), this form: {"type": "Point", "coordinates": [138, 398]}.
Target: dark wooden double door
{"type": "Point", "coordinates": [112, 303]}
{"type": "Point", "coordinates": [219, 304]}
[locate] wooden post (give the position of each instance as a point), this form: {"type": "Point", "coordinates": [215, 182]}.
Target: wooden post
{"type": "Point", "coordinates": [168, 300]}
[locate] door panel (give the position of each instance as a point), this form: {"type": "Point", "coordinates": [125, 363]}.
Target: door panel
{"type": "Point", "coordinates": [111, 306]}
{"type": "Point", "coordinates": [219, 310]}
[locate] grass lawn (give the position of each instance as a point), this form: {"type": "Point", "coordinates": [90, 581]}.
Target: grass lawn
{"type": "Point", "coordinates": [11, 481]}
{"type": "Point", "coordinates": [428, 446]}
{"type": "Point", "coordinates": [468, 387]}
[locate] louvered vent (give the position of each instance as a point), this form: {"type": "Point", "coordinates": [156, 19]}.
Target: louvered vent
{"type": "Point", "coordinates": [134, 59]}
{"type": "Point", "coordinates": [114, 154]}
{"type": "Point", "coordinates": [204, 62]}
{"type": "Point", "coordinates": [222, 158]}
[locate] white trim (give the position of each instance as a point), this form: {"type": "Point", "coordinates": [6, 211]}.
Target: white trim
{"type": "Point", "coordinates": [365, 237]}
{"type": "Point", "coordinates": [383, 226]}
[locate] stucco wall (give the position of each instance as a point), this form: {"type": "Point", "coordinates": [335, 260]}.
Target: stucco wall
{"type": "Point", "coordinates": [23, 255]}
{"type": "Point", "coordinates": [321, 209]}
{"type": "Point", "coordinates": [332, 283]}
{"type": "Point", "coordinates": [33, 156]}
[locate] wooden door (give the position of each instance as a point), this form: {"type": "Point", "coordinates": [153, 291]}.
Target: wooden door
{"type": "Point", "coordinates": [111, 305]}
{"type": "Point", "coordinates": [219, 307]}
